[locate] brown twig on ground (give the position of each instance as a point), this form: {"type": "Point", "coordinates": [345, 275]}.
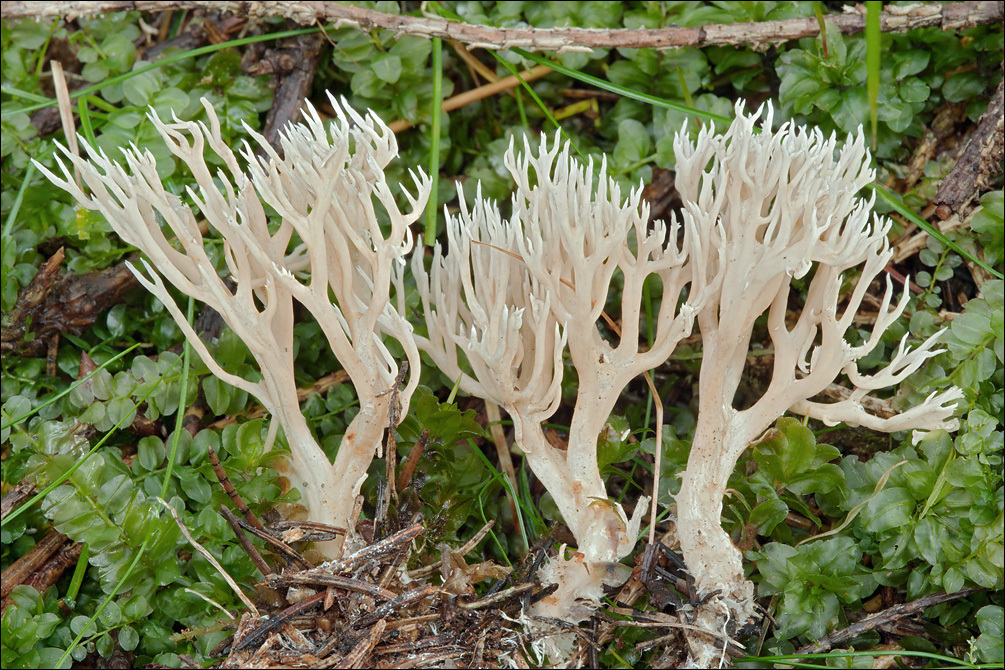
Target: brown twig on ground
{"type": "Point", "coordinates": [209, 557]}
{"type": "Point", "coordinates": [412, 460]}
{"type": "Point", "coordinates": [49, 572]}
{"type": "Point", "coordinates": [942, 126]}
{"type": "Point", "coordinates": [981, 159]}
{"type": "Point", "coordinates": [21, 569]}
{"type": "Point", "coordinates": [275, 621]}
{"type": "Point", "coordinates": [391, 446]}
{"type": "Point", "coordinates": [54, 305]}
{"type": "Point", "coordinates": [362, 611]}
{"type": "Point", "coordinates": [229, 489]}
{"type": "Point", "coordinates": [284, 549]}
{"type": "Point", "coordinates": [475, 66]}
{"type": "Point", "coordinates": [17, 495]}
{"type": "Point", "coordinates": [303, 53]}
{"type": "Point", "coordinates": [891, 614]}
{"type": "Point", "coordinates": [893, 19]}
{"type": "Point", "coordinates": [249, 548]}
{"type": "Point", "coordinates": [475, 94]}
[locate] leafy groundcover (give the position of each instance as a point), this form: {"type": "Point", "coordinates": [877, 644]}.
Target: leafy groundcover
{"type": "Point", "coordinates": [105, 410]}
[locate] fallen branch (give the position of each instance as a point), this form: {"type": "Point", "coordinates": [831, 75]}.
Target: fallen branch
{"type": "Point", "coordinates": [980, 161]}
{"type": "Point", "coordinates": [893, 19]}
{"type": "Point", "coordinates": [839, 637]}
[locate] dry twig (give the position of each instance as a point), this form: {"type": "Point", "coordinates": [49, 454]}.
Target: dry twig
{"type": "Point", "coordinates": [980, 160]}
{"type": "Point", "coordinates": [839, 637]}
{"type": "Point", "coordinates": [893, 19]}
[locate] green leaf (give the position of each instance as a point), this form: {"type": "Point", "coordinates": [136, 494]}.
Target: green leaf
{"type": "Point", "coordinates": [250, 442]}
{"type": "Point", "coordinates": [788, 455]}
{"type": "Point", "coordinates": [218, 394]}
{"type": "Point", "coordinates": [612, 444]}
{"type": "Point", "coordinates": [891, 508]}
{"type": "Point", "coordinates": [989, 645]}
{"type": "Point", "coordinates": [913, 90]}
{"type": "Point", "coordinates": [128, 638]}
{"type": "Point", "coordinates": [150, 452]}
{"type": "Point", "coordinates": [808, 612]}
{"type": "Point", "coordinates": [768, 514]}
{"type": "Point", "coordinates": [930, 534]}
{"type": "Point", "coordinates": [140, 90]}
{"type": "Point", "coordinates": [222, 67]}
{"type": "Point", "coordinates": [366, 84]}
{"type": "Point", "coordinates": [853, 110]}
{"type": "Point", "coordinates": [963, 86]}
{"type": "Point", "coordinates": [906, 63]}
{"type": "Point", "coordinates": [387, 68]}
{"type": "Point", "coordinates": [634, 143]}
{"type": "Point", "coordinates": [413, 52]}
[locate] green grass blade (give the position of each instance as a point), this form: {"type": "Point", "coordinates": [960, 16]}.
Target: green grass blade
{"type": "Point", "coordinates": [504, 481]}
{"type": "Point", "coordinates": [27, 95]}
{"type": "Point", "coordinates": [78, 575]}
{"type": "Point", "coordinates": [873, 50]}
{"type": "Point", "coordinates": [18, 199]}
{"type": "Point", "coordinates": [434, 144]}
{"type": "Point", "coordinates": [943, 661]}
{"type": "Point", "coordinates": [520, 109]}
{"type": "Point", "coordinates": [86, 127]}
{"type": "Point", "coordinates": [888, 197]}
{"type": "Point", "coordinates": [818, 9]}
{"type": "Point", "coordinates": [104, 604]}
{"type": "Point", "coordinates": [182, 394]}
{"type": "Point", "coordinates": [621, 90]}
{"type": "Point", "coordinates": [540, 103]}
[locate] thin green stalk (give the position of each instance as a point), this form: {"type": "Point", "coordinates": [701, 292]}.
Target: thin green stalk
{"type": "Point", "coordinates": [183, 391]}
{"type": "Point", "coordinates": [18, 199]}
{"type": "Point", "coordinates": [453, 390]}
{"type": "Point", "coordinates": [787, 658]}
{"type": "Point", "coordinates": [40, 63]}
{"type": "Point", "coordinates": [104, 604]}
{"type": "Point", "coordinates": [509, 489]}
{"type": "Point", "coordinates": [521, 109]}
{"type": "Point", "coordinates": [683, 87]}
{"type": "Point", "coordinates": [513, 70]}
{"type": "Point", "coordinates": [86, 127]}
{"type": "Point", "coordinates": [101, 104]}
{"type": "Point", "coordinates": [889, 198]}
{"type": "Point", "coordinates": [818, 9]}
{"type": "Point", "coordinates": [434, 144]}
{"type": "Point", "coordinates": [526, 501]}
{"type": "Point", "coordinates": [873, 50]}
{"type": "Point", "coordinates": [27, 95]}
{"type": "Point", "coordinates": [621, 90]}
{"type": "Point", "coordinates": [78, 576]}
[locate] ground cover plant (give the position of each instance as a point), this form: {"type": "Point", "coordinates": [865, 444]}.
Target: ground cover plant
{"type": "Point", "coordinates": [859, 544]}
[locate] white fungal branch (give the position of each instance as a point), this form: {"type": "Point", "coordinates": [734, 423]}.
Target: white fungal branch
{"type": "Point", "coordinates": [512, 294]}
{"type": "Point", "coordinates": [774, 206]}
{"type": "Point", "coordinates": [326, 190]}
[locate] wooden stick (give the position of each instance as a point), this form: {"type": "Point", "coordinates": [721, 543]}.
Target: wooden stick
{"type": "Point", "coordinates": [951, 16]}
{"type": "Point", "coordinates": [476, 94]}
